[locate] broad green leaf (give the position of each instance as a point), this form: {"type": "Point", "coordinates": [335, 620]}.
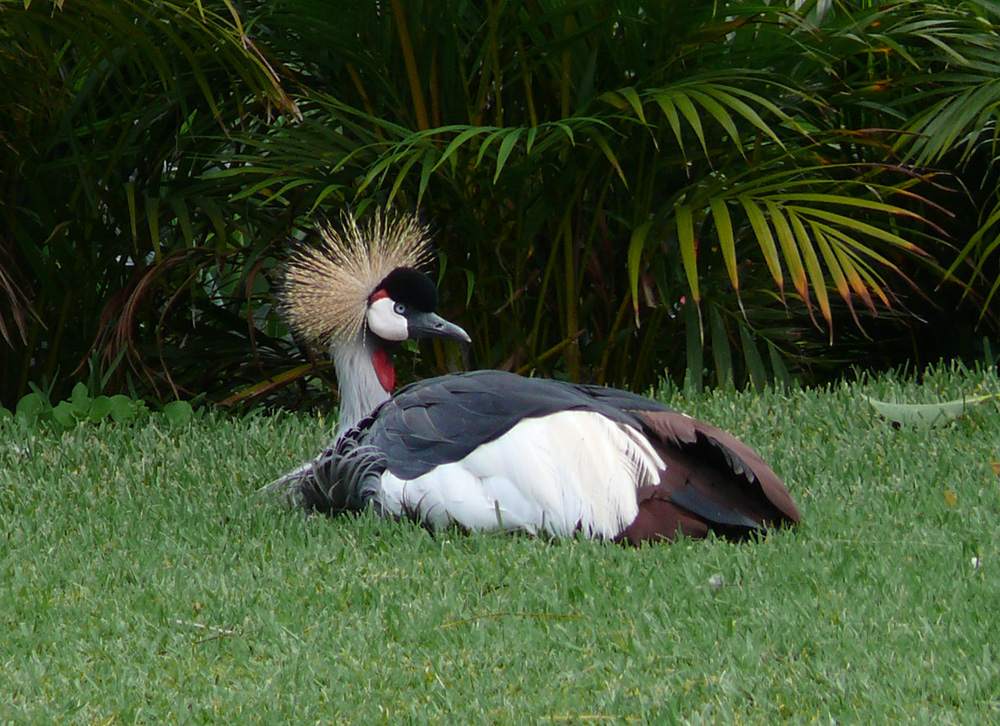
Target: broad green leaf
{"type": "Point", "coordinates": [847, 264]}
{"type": "Point", "coordinates": [529, 142]}
{"type": "Point", "coordinates": [380, 168]}
{"type": "Point", "coordinates": [781, 374]}
{"type": "Point", "coordinates": [123, 409]}
{"type": "Point", "coordinates": [324, 193]}
{"type": "Point", "coordinates": [689, 112]}
{"type": "Point", "coordinates": [65, 415]}
{"type": "Point", "coordinates": [725, 96]}
{"type": "Point", "coordinates": [184, 220]}
{"type": "Point", "coordinates": [727, 242]}
{"type": "Point", "coordinates": [403, 173]}
{"type": "Point", "coordinates": [460, 140]}
{"type": "Point", "coordinates": [609, 154]}
{"type": "Point", "coordinates": [636, 246]}
{"type": "Point", "coordinates": [857, 248]}
{"type": "Point", "coordinates": [178, 412]}
{"type": "Point", "coordinates": [30, 407]}
{"type": "Point", "coordinates": [856, 202]}
{"type": "Point", "coordinates": [762, 231]}
{"type": "Point", "coordinates": [856, 225]}
{"type": "Point", "coordinates": [833, 265]}
{"type": "Point", "coordinates": [80, 399]}
{"type": "Point", "coordinates": [425, 174]}
{"type": "Point", "coordinates": [812, 267]}
{"type": "Point", "coordinates": [874, 283]}
{"type": "Point", "coordinates": [613, 98]}
{"type": "Point", "coordinates": [669, 109]}
{"type": "Point", "coordinates": [100, 409]}
{"type": "Point", "coordinates": [487, 142]}
{"type": "Point", "coordinates": [719, 114]}
{"type": "Point", "coordinates": [720, 349]}
{"type": "Point", "coordinates": [762, 101]}
{"type": "Point", "coordinates": [981, 252]}
{"type": "Point", "coordinates": [566, 129]}
{"type": "Point", "coordinates": [754, 362]}
{"type": "Point", "coordinates": [506, 147]}
{"type": "Point", "coordinates": [689, 252]}
{"type": "Point", "coordinates": [632, 98]}
{"type": "Point", "coordinates": [790, 250]}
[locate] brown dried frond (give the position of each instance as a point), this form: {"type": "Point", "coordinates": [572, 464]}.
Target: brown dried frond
{"type": "Point", "coordinates": [325, 290]}
{"type": "Point", "coordinates": [18, 301]}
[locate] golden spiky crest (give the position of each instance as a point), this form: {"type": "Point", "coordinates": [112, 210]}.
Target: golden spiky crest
{"type": "Point", "coordinates": [325, 290]}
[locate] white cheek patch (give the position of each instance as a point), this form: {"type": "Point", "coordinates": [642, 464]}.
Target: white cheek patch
{"type": "Point", "coordinates": [385, 322]}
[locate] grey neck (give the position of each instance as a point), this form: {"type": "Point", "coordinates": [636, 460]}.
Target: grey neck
{"type": "Point", "coordinates": [360, 390]}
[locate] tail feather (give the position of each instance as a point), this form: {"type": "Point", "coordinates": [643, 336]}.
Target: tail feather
{"type": "Point", "coordinates": [712, 482]}
{"type": "Point", "coordinates": [345, 477]}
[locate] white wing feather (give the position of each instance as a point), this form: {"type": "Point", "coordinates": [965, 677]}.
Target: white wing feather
{"type": "Point", "coordinates": [559, 473]}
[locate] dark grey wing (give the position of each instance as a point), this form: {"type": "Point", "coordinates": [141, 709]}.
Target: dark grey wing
{"type": "Point", "coordinates": [442, 420]}
{"type": "Point", "coordinates": [622, 400]}
{"type": "Point", "coordinates": [712, 481]}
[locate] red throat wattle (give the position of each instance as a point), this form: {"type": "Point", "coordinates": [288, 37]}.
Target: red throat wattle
{"type": "Point", "coordinates": [384, 369]}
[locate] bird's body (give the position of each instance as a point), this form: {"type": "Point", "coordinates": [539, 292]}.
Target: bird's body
{"type": "Point", "coordinates": [494, 451]}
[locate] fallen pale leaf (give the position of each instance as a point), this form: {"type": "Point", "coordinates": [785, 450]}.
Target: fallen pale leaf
{"type": "Point", "coordinates": [928, 414]}
{"type": "Point", "coordinates": [950, 498]}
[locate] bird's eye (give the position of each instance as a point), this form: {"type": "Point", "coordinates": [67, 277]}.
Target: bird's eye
{"type": "Point", "coordinates": [399, 308]}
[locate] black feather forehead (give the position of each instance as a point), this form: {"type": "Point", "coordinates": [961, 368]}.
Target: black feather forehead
{"type": "Point", "coordinates": [326, 286]}
{"type": "Point", "coordinates": [412, 288]}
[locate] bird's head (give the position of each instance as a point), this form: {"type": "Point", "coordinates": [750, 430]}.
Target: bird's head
{"type": "Point", "coordinates": [362, 284]}
{"type": "Point", "coordinates": [402, 308]}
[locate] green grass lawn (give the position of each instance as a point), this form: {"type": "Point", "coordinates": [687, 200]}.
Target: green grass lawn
{"type": "Point", "coordinates": [141, 581]}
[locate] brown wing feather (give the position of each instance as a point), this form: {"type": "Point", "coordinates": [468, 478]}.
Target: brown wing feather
{"type": "Point", "coordinates": [713, 482]}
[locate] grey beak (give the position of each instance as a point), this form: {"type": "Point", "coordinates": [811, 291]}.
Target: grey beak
{"type": "Point", "coordinates": [432, 325]}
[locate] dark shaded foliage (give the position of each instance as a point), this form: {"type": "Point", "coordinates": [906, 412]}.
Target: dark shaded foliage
{"type": "Point", "coordinates": [720, 191]}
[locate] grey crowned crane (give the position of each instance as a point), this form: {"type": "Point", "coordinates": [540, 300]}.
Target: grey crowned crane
{"type": "Point", "coordinates": [491, 450]}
